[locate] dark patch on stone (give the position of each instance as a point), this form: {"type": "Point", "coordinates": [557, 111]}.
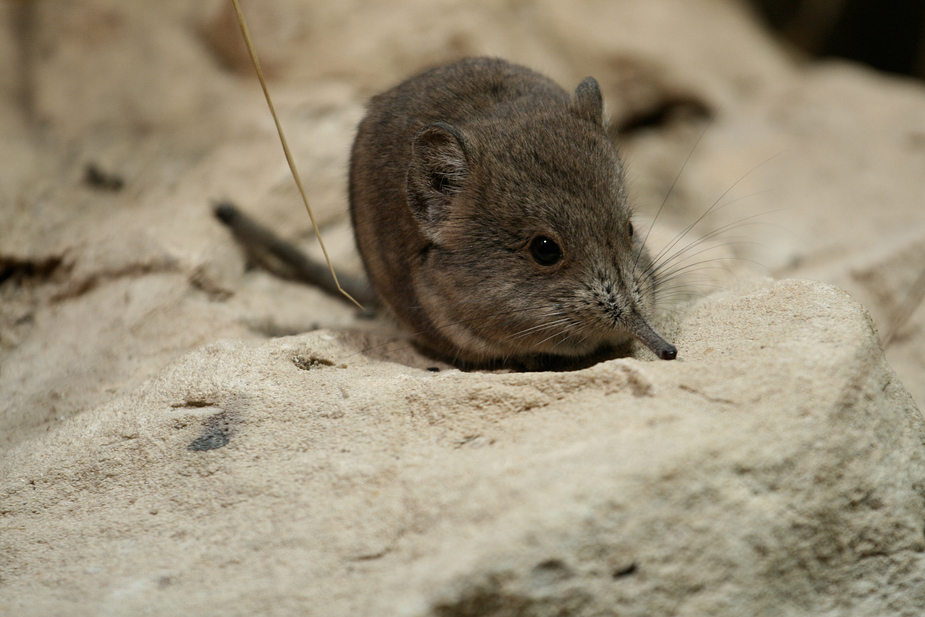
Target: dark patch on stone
{"type": "Point", "coordinates": [102, 180]}
{"type": "Point", "coordinates": [307, 363]}
{"type": "Point", "coordinates": [216, 433]}
{"type": "Point", "coordinates": [493, 596]}
{"type": "Point", "coordinates": [212, 441]}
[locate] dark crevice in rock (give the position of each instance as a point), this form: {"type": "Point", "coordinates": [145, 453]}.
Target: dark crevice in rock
{"type": "Point", "coordinates": [660, 114]}
{"type": "Point", "coordinates": [624, 572]}
{"type": "Point", "coordinates": [23, 272]}
{"type": "Point", "coordinates": [97, 178]}
{"type": "Point", "coordinates": [195, 403]}
{"type": "Point", "coordinates": [80, 286]}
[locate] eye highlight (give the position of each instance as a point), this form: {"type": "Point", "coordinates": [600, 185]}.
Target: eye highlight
{"type": "Point", "coordinates": [545, 251]}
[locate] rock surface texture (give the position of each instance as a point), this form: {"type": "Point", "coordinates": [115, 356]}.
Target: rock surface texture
{"type": "Point", "coordinates": [182, 434]}
{"type": "Point", "coordinates": [774, 474]}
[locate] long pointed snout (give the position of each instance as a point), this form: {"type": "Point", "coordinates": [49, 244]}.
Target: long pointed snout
{"type": "Point", "coordinates": [644, 333]}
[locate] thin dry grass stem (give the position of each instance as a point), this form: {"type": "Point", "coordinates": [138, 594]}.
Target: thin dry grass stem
{"type": "Point", "coordinates": [906, 309]}
{"type": "Point", "coordinates": [282, 138]}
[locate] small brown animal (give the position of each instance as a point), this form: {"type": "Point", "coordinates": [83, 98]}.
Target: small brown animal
{"type": "Point", "coordinates": [490, 209]}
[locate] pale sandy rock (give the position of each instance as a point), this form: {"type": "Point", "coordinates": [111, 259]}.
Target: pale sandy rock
{"type": "Point", "coordinates": [375, 42]}
{"type": "Point", "coordinates": [145, 76]}
{"type": "Point", "coordinates": [775, 468]}
{"type": "Point", "coordinates": [823, 181]}
{"type": "Point", "coordinates": [773, 473]}
{"type": "Point", "coordinates": [689, 42]}
{"type": "Point", "coordinates": [884, 278]}
{"type": "Point", "coordinates": [10, 56]}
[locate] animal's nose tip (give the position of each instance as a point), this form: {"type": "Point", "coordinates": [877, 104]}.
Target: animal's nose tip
{"type": "Point", "coordinates": [668, 353]}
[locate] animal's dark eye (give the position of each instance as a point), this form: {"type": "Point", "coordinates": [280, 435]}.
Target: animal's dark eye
{"type": "Point", "coordinates": [630, 229]}
{"type": "Point", "coordinates": [545, 251]}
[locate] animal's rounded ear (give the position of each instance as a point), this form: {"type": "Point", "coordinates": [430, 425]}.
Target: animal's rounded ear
{"type": "Point", "coordinates": [588, 102]}
{"type": "Point", "coordinates": [437, 175]}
